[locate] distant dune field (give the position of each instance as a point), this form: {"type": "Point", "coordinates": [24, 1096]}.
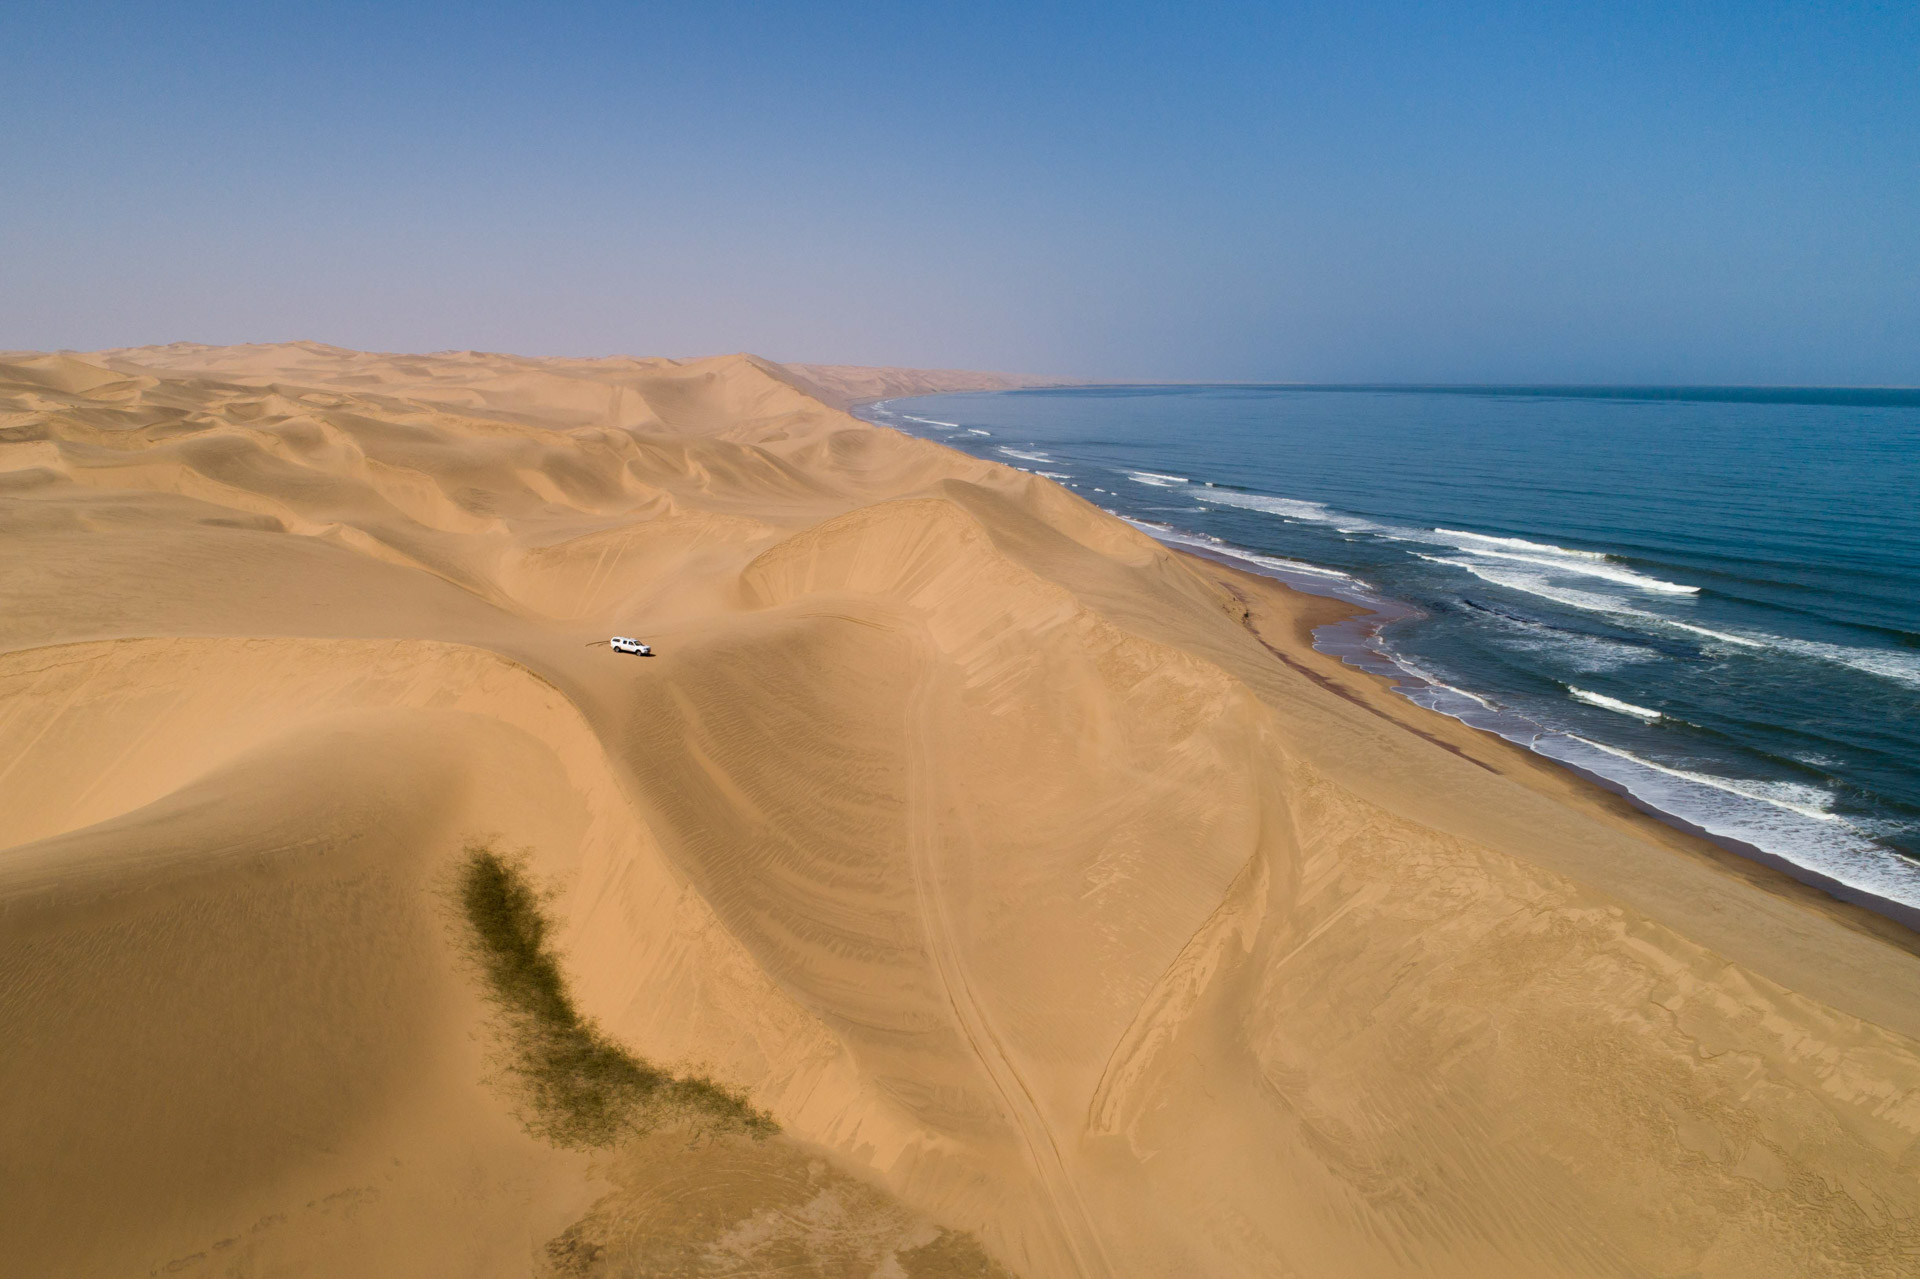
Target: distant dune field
{"type": "Point", "coordinates": [1067, 914]}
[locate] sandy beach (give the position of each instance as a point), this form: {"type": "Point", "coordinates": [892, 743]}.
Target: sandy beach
{"type": "Point", "coordinates": [1066, 911]}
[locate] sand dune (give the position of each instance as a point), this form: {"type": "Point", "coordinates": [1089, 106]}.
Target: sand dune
{"type": "Point", "coordinates": [842, 385]}
{"type": "Point", "coordinates": [1071, 916]}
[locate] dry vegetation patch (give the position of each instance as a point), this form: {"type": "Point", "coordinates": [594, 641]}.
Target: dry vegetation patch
{"type": "Point", "coordinates": [578, 1087]}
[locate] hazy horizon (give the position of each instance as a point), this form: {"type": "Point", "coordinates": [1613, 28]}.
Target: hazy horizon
{"type": "Point", "coordinates": [1373, 194]}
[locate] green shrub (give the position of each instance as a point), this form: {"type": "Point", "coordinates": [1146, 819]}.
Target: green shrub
{"type": "Point", "coordinates": [581, 1089]}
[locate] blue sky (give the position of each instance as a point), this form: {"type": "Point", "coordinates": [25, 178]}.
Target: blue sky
{"type": "Point", "coordinates": [1469, 192]}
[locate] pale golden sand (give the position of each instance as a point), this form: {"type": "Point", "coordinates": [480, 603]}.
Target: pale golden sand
{"type": "Point", "coordinates": [1057, 899]}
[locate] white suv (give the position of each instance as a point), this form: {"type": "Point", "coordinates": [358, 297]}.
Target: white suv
{"type": "Point", "coordinates": [622, 644]}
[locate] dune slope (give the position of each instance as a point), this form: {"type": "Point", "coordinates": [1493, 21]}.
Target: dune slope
{"type": "Point", "coordinates": [1071, 916]}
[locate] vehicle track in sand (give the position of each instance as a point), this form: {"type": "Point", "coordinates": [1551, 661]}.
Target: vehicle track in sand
{"type": "Point", "coordinates": [1071, 1222]}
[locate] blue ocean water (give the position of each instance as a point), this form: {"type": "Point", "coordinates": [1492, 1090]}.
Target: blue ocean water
{"type": "Point", "coordinates": [1710, 597]}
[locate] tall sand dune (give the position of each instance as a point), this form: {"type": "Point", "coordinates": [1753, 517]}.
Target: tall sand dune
{"type": "Point", "coordinates": [1068, 914]}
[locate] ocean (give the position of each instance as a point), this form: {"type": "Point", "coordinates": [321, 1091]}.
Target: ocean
{"type": "Point", "coordinates": [1707, 597]}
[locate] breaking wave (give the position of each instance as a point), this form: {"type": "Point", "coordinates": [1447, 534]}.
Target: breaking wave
{"type": "Point", "coordinates": [1285, 507]}
{"type": "Point", "coordinates": [1889, 664]}
{"type": "Point", "coordinates": [1520, 544]}
{"type": "Point", "coordinates": [1742, 690]}
{"type": "Point", "coordinates": [1808, 801]}
{"type": "Point", "coordinates": [1613, 704]}
{"type": "Point", "coordinates": [1273, 563]}
{"type": "Point", "coordinates": [1590, 568]}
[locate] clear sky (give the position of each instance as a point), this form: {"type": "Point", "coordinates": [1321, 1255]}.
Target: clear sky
{"type": "Point", "coordinates": [1619, 192]}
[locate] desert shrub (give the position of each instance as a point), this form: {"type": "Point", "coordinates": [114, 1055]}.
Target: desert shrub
{"type": "Point", "coordinates": [579, 1087]}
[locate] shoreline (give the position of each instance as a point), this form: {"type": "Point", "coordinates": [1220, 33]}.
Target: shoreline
{"type": "Point", "coordinates": [1355, 641]}
{"type": "Point", "coordinates": [1347, 639]}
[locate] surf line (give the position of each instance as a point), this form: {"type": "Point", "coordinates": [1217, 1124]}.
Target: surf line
{"type": "Point", "coordinates": [1356, 642]}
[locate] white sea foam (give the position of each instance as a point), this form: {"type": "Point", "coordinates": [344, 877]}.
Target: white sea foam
{"type": "Point", "coordinates": [974, 430]}
{"type": "Point", "coordinates": [1023, 455]}
{"type": "Point", "coordinates": [1289, 508]}
{"type": "Point", "coordinates": [1055, 475]}
{"type": "Point", "coordinates": [1790, 819]}
{"type": "Point", "coordinates": [1794, 797]}
{"type": "Point", "coordinates": [1590, 654]}
{"type": "Point", "coordinates": [1723, 636]}
{"type": "Point", "coordinates": [1613, 704]}
{"type": "Point", "coordinates": [928, 421]}
{"type": "Point", "coordinates": [1587, 601]}
{"type": "Point", "coordinates": [1561, 559]}
{"type": "Point", "coordinates": [1283, 565]}
{"type": "Point", "coordinates": [1589, 568]}
{"type": "Point", "coordinates": [1285, 507]}
{"type": "Point", "coordinates": [1413, 668]}
{"type": "Point", "coordinates": [1169, 534]}
{"type": "Point", "coordinates": [1538, 584]}
{"type": "Point", "coordinates": [1888, 664]}
{"type": "Point", "coordinates": [1156, 479]}
{"type": "Point", "coordinates": [1520, 544]}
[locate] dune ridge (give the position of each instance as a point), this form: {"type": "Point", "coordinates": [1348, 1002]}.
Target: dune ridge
{"type": "Point", "coordinates": [844, 385]}
{"type": "Point", "coordinates": [1069, 913]}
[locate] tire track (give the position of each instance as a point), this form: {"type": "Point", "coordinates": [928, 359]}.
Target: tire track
{"type": "Point", "coordinates": [1071, 1222]}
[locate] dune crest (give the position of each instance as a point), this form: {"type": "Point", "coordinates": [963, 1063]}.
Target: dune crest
{"type": "Point", "coordinates": [1070, 915]}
